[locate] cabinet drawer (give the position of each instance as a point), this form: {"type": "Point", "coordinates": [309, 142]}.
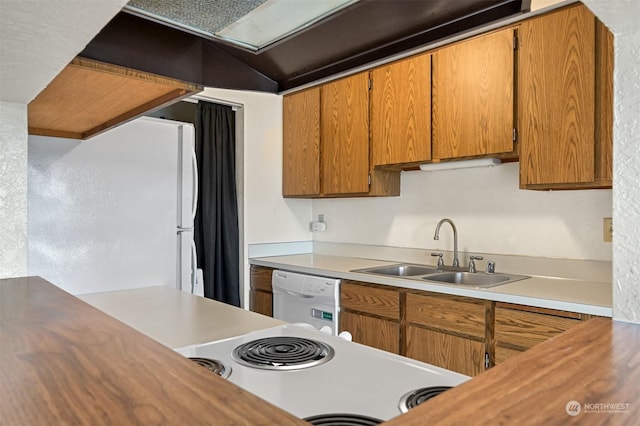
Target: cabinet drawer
{"type": "Point", "coordinates": [524, 330]}
{"type": "Point", "coordinates": [371, 299]}
{"type": "Point", "coordinates": [448, 313]}
{"type": "Point", "coordinates": [261, 278]}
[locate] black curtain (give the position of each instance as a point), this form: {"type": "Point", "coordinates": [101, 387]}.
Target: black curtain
{"type": "Point", "coordinates": [216, 224]}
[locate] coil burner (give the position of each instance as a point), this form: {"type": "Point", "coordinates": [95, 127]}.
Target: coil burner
{"type": "Point", "coordinates": [416, 397]}
{"type": "Point", "coordinates": [282, 353]}
{"type": "Point", "coordinates": [213, 365]}
{"type": "Point", "coordinates": [342, 420]}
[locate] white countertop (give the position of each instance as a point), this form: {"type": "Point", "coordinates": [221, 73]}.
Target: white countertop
{"type": "Point", "coordinates": [175, 318]}
{"type": "Point", "coordinates": [582, 296]}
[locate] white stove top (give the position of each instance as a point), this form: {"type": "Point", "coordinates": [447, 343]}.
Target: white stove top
{"type": "Point", "coordinates": [357, 380]}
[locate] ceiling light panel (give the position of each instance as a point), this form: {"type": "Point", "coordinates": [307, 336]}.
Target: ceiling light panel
{"type": "Point", "coordinates": [252, 24]}
{"type": "Point", "coordinates": [203, 16]}
{"type": "Point", "coordinates": [273, 20]}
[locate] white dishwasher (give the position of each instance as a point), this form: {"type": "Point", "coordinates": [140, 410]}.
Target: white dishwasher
{"type": "Point", "coordinates": [306, 298]}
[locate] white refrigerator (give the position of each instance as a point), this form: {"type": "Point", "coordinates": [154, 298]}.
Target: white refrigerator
{"type": "Point", "coordinates": [116, 211]}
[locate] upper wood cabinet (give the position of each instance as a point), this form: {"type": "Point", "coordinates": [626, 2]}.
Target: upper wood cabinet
{"type": "Point", "coordinates": [400, 111]}
{"type": "Point", "coordinates": [326, 143]}
{"type": "Point", "coordinates": [565, 101]}
{"type": "Point", "coordinates": [345, 135]}
{"type": "Point", "coordinates": [473, 96]}
{"type": "Point", "coordinates": [301, 143]}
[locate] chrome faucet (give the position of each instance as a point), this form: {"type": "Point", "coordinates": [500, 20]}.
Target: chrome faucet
{"type": "Point", "coordinates": [436, 236]}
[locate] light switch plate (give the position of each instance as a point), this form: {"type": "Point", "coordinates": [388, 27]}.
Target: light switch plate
{"type": "Point", "coordinates": [607, 230]}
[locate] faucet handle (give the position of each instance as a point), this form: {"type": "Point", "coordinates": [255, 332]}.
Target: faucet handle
{"type": "Point", "coordinates": [440, 261]}
{"type": "Point", "coordinates": [472, 263]}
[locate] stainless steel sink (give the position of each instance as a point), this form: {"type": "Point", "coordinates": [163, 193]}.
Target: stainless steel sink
{"type": "Point", "coordinates": [431, 273]}
{"type": "Point", "coordinates": [474, 279]}
{"type": "Point", "coordinates": [400, 270]}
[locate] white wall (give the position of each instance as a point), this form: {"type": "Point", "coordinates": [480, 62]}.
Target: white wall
{"type": "Point", "coordinates": [38, 38]}
{"type": "Point", "coordinates": [621, 16]}
{"type": "Point", "coordinates": [13, 190]}
{"type": "Point", "coordinates": [268, 217]}
{"type": "Point", "coordinates": [492, 216]}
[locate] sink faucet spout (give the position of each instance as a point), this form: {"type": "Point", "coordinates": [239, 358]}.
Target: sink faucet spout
{"type": "Point", "coordinates": [436, 236]}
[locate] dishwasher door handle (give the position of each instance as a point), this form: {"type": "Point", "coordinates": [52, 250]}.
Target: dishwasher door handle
{"type": "Point", "coordinates": [298, 295]}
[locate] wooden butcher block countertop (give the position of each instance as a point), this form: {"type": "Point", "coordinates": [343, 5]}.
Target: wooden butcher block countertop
{"type": "Point", "coordinates": [589, 375]}
{"type": "Point", "coordinates": [64, 362]}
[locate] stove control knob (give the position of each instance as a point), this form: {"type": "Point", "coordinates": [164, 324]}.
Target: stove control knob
{"type": "Point", "coordinates": [345, 335]}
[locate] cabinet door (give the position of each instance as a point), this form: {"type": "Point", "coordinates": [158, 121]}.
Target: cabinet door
{"type": "Point", "coordinates": [345, 135]}
{"type": "Point", "coordinates": [401, 111]}
{"type": "Point", "coordinates": [301, 143]}
{"type": "Point", "coordinates": [472, 95]}
{"type": "Point", "coordinates": [261, 295]}
{"type": "Point", "coordinates": [518, 328]}
{"type": "Point", "coordinates": [261, 302]}
{"type": "Point", "coordinates": [375, 332]}
{"type": "Point", "coordinates": [455, 353]}
{"type": "Point", "coordinates": [261, 278]}
{"type": "Point", "coordinates": [556, 92]}
{"type": "Point", "coordinates": [523, 330]}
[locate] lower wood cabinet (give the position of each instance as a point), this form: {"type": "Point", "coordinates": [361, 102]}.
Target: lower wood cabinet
{"type": "Point", "coordinates": [445, 350]}
{"type": "Point", "coordinates": [448, 331]}
{"type": "Point", "coordinates": [371, 313]}
{"type": "Point", "coordinates": [261, 293]}
{"type": "Point", "coordinates": [518, 328]}
{"type": "Point", "coordinates": [372, 331]}
{"type": "Point", "coordinates": [458, 333]}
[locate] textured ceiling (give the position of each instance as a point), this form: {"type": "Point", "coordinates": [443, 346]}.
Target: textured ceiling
{"type": "Point", "coordinates": [39, 38]}
{"type": "Point", "coordinates": [209, 16]}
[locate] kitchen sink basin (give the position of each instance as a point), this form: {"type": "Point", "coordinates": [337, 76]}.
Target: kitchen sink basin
{"type": "Point", "coordinates": [474, 279]}
{"type": "Point", "coordinates": [431, 273]}
{"type": "Point", "coordinates": [401, 270]}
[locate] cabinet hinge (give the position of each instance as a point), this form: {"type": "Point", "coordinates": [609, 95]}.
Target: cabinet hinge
{"type": "Point", "coordinates": [515, 134]}
{"type": "Point", "coordinates": [515, 42]}
{"type": "Point", "coordinates": [369, 179]}
{"type": "Point", "coordinates": [486, 360]}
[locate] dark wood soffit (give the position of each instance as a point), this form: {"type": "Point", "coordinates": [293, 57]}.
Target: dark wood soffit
{"type": "Point", "coordinates": [137, 43]}
{"type": "Point", "coordinates": [369, 31]}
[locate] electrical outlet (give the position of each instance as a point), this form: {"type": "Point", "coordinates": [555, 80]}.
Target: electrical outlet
{"type": "Point", "coordinates": [319, 225]}
{"type": "Point", "coordinates": [607, 230]}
